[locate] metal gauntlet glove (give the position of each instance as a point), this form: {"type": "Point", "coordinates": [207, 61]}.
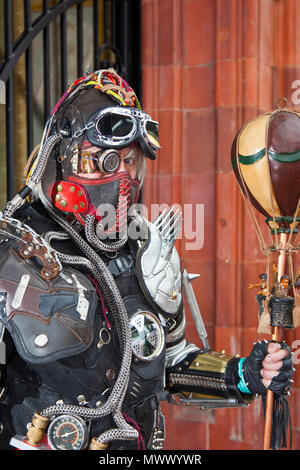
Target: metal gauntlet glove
{"type": "Point", "coordinates": [208, 379]}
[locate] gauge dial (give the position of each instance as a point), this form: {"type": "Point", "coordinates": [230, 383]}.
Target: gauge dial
{"type": "Point", "coordinates": [67, 432]}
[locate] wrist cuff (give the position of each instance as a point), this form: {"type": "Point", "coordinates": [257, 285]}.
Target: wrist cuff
{"type": "Point", "coordinates": [242, 386]}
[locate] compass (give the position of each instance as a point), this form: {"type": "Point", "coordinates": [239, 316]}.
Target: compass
{"type": "Point", "coordinates": [67, 432]}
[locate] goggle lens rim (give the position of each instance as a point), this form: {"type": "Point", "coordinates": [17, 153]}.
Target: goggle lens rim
{"type": "Point", "coordinates": [147, 138]}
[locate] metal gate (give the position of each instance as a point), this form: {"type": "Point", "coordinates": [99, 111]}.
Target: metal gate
{"type": "Point", "coordinates": [44, 46]}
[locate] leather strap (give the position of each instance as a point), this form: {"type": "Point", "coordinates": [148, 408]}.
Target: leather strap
{"type": "Point", "coordinates": [120, 265]}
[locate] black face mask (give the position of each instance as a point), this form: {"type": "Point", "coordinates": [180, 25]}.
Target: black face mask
{"type": "Point", "coordinates": [108, 199]}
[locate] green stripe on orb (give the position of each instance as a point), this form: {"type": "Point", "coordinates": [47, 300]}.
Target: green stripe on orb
{"type": "Point", "coordinates": [284, 157]}
{"type": "Point", "coordinates": [250, 159]}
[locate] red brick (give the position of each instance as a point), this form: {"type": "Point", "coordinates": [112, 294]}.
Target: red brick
{"type": "Point", "coordinates": [226, 128]}
{"type": "Point", "coordinates": [266, 34]}
{"type": "Point", "coordinates": [265, 88]}
{"type": "Point", "coordinates": [165, 50]}
{"type": "Point", "coordinates": [199, 149]}
{"type": "Point", "coordinates": [226, 196]}
{"type": "Point", "coordinates": [150, 82]}
{"type": "Point", "coordinates": [252, 422]}
{"type": "Point", "coordinates": [296, 39]}
{"type": "Point", "coordinates": [224, 19]}
{"type": "Point", "coordinates": [148, 26]}
{"type": "Point", "coordinates": [250, 18]}
{"type": "Point", "coordinates": [203, 288]}
{"type": "Point", "coordinates": [228, 339]}
{"type": "Point", "coordinates": [198, 193]}
{"type": "Point", "coordinates": [194, 435]}
{"type": "Point", "coordinates": [171, 158]}
{"type": "Point", "coordinates": [289, 33]}
{"type": "Point", "coordinates": [226, 83]}
{"type": "Point", "coordinates": [199, 87]}
{"type": "Point", "coordinates": [291, 86]}
{"type": "Point", "coordinates": [170, 86]}
{"type": "Point", "coordinates": [251, 272]}
{"type": "Point", "coordinates": [250, 81]}
{"type": "Point", "coordinates": [199, 32]}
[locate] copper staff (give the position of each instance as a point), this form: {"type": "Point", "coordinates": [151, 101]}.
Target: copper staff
{"type": "Point", "coordinates": [277, 335]}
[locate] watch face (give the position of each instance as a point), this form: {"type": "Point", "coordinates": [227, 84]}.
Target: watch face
{"type": "Point", "coordinates": [147, 335]}
{"type": "Point", "coordinates": [67, 432]}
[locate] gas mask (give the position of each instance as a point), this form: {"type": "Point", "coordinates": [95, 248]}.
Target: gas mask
{"type": "Point", "coordinates": [108, 199]}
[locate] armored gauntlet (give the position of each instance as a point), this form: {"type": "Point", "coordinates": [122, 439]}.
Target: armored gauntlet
{"type": "Point", "coordinates": [209, 379]}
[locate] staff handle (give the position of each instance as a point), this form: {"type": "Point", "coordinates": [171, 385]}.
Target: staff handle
{"type": "Point", "coordinates": [277, 335]}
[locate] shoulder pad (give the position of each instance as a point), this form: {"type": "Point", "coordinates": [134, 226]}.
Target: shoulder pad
{"type": "Point", "coordinates": [158, 264]}
{"type": "Point", "coordinates": [48, 319]}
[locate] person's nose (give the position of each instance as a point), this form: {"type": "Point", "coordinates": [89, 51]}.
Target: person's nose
{"type": "Point", "coordinates": [122, 166]}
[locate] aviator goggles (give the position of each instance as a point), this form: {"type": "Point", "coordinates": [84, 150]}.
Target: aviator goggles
{"type": "Point", "coordinates": [116, 127]}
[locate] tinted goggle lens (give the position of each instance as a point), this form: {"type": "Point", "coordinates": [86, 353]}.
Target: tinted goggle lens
{"type": "Point", "coordinates": [113, 125]}
{"type": "Point", "coordinates": [152, 133]}
{"type": "Point", "coordinates": [113, 129]}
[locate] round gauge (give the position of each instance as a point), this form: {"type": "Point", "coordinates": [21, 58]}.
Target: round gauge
{"type": "Point", "coordinates": [147, 335]}
{"type": "Point", "coordinates": [67, 432]}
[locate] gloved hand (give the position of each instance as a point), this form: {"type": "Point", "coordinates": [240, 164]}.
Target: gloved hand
{"type": "Point", "coordinates": [269, 366]}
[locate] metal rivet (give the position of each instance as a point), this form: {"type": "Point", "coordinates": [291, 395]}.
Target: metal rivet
{"type": "Point", "coordinates": [58, 197]}
{"type": "Point", "coordinates": [82, 205]}
{"type": "Point", "coordinates": [75, 207]}
{"type": "Point", "coordinates": [72, 189]}
{"type": "Point", "coordinates": [81, 400]}
{"type": "Point", "coordinates": [79, 193]}
{"type": "Point", "coordinates": [110, 374]}
{"type": "Point", "coordinates": [59, 188]}
{"type": "Point", "coordinates": [63, 203]}
{"type": "Point", "coordinates": [41, 340]}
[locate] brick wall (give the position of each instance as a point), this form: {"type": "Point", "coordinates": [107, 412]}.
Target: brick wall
{"type": "Point", "coordinates": [208, 67]}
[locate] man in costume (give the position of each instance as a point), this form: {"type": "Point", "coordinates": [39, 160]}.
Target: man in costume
{"type": "Point", "coordinates": [91, 306]}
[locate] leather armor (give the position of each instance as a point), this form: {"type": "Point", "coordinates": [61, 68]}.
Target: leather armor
{"type": "Point", "coordinates": [61, 341]}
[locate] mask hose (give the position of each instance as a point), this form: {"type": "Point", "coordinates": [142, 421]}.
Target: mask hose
{"type": "Point", "coordinates": [89, 230]}
{"type": "Point", "coordinates": [19, 199]}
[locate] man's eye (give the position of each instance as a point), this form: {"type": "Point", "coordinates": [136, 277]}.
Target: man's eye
{"type": "Point", "coordinates": [129, 160]}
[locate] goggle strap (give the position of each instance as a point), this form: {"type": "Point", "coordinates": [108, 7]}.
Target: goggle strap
{"type": "Point", "coordinates": [81, 131]}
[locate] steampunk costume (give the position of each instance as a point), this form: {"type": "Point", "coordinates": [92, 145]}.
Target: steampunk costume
{"type": "Point", "coordinates": [91, 306]}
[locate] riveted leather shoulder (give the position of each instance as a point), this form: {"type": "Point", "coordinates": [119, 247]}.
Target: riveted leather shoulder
{"type": "Point", "coordinates": [48, 319]}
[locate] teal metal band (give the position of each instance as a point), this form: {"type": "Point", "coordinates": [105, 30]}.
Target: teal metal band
{"type": "Point", "coordinates": [242, 384]}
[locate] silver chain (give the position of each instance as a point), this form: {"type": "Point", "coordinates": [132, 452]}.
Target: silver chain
{"type": "Point", "coordinates": [116, 305]}
{"type": "Point", "coordinates": [89, 229]}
